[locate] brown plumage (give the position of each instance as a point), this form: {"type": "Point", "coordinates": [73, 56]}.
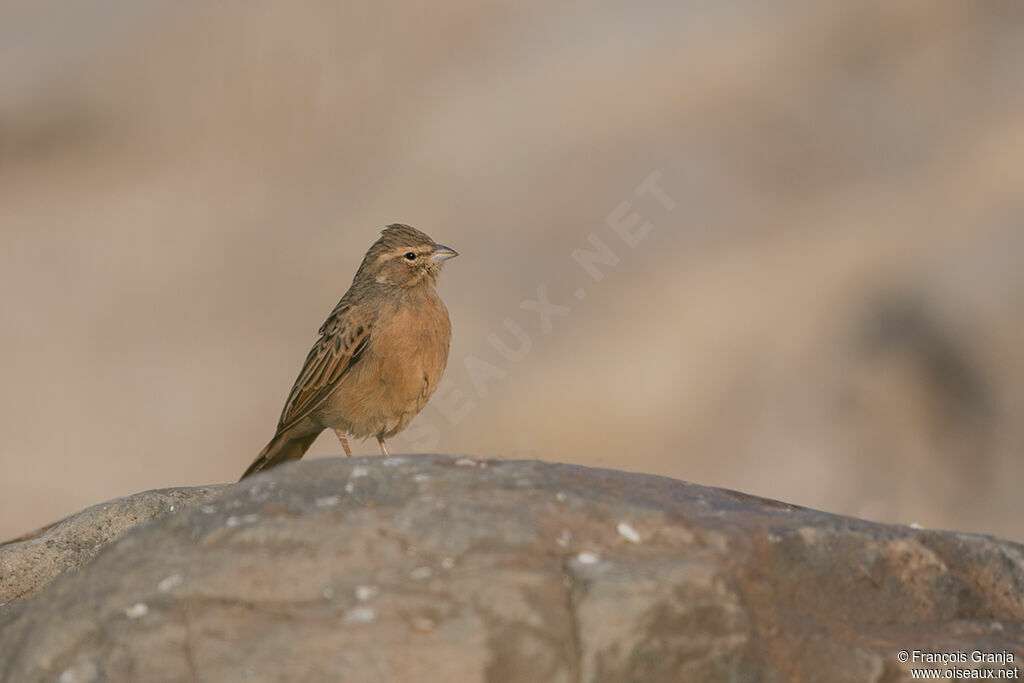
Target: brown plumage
{"type": "Point", "coordinates": [380, 355]}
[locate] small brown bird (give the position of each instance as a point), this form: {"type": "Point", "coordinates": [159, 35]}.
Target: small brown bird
{"type": "Point", "coordinates": [380, 355]}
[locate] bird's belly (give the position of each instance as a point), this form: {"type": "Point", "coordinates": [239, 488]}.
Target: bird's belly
{"type": "Point", "coordinates": [392, 382]}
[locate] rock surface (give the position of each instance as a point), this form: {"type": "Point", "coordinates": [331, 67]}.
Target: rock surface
{"type": "Point", "coordinates": [29, 563]}
{"type": "Point", "coordinates": [448, 569]}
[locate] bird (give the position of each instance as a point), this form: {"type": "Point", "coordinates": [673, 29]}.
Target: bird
{"type": "Point", "coordinates": [381, 353]}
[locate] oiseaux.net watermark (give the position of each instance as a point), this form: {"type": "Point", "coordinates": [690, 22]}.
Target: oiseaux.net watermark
{"type": "Point", "coordinates": [960, 664]}
{"type": "Point", "coordinates": [628, 225]}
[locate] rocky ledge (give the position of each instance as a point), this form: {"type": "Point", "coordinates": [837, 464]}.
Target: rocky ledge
{"type": "Point", "coordinates": [456, 569]}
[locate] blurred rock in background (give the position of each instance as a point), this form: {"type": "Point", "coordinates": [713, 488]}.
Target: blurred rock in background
{"type": "Point", "coordinates": [807, 221]}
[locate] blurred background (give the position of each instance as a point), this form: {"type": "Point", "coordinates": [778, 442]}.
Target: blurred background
{"type": "Point", "coordinates": [822, 303]}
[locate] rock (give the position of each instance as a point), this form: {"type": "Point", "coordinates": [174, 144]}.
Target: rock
{"type": "Point", "coordinates": [30, 562]}
{"type": "Point", "coordinates": [424, 567]}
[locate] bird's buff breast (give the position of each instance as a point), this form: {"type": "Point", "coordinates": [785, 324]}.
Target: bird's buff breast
{"type": "Point", "coordinates": [398, 372]}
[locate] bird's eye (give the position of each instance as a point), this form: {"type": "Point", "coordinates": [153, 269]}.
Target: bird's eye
{"type": "Point", "coordinates": [411, 256]}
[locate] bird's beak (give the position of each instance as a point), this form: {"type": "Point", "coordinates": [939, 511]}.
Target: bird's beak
{"type": "Point", "coordinates": [442, 253]}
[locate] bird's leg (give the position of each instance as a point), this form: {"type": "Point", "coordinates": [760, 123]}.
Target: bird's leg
{"type": "Point", "coordinates": [344, 441]}
{"type": "Point", "coordinates": [383, 446]}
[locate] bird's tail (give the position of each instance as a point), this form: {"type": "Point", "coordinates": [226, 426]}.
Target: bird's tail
{"type": "Point", "coordinates": [282, 448]}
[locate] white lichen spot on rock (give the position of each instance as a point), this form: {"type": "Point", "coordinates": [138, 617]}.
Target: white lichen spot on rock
{"type": "Point", "coordinates": [169, 582]}
{"type": "Point", "coordinates": [137, 611]}
{"type": "Point", "coordinates": [421, 477]}
{"type": "Point", "coordinates": [915, 525]}
{"type": "Point", "coordinates": [327, 501]}
{"type": "Point", "coordinates": [366, 592]}
{"type": "Point", "coordinates": [587, 558]}
{"type": "Point", "coordinates": [235, 520]}
{"type": "Point", "coordinates": [350, 487]}
{"type": "Point", "coordinates": [359, 471]}
{"type": "Point", "coordinates": [83, 672]}
{"type": "Point", "coordinates": [628, 532]}
{"type": "Point", "coordinates": [421, 573]}
{"type": "Point", "coordinates": [448, 563]}
{"type": "Point", "coordinates": [360, 615]}
{"type": "Point", "coordinates": [208, 509]}
{"type": "Point", "coordinates": [560, 496]}
{"type": "Point", "coordinates": [465, 462]}
{"type": "Point", "coordinates": [564, 538]}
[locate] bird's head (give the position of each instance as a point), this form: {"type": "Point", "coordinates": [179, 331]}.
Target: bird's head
{"type": "Point", "coordinates": [403, 257]}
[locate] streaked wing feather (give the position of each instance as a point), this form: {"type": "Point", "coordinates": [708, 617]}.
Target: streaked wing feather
{"type": "Point", "coordinates": [343, 339]}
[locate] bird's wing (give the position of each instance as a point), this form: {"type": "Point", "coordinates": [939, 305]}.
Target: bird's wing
{"type": "Point", "coordinates": [343, 339]}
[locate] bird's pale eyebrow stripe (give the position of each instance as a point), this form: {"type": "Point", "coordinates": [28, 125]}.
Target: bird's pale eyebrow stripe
{"type": "Point", "coordinates": [399, 251]}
